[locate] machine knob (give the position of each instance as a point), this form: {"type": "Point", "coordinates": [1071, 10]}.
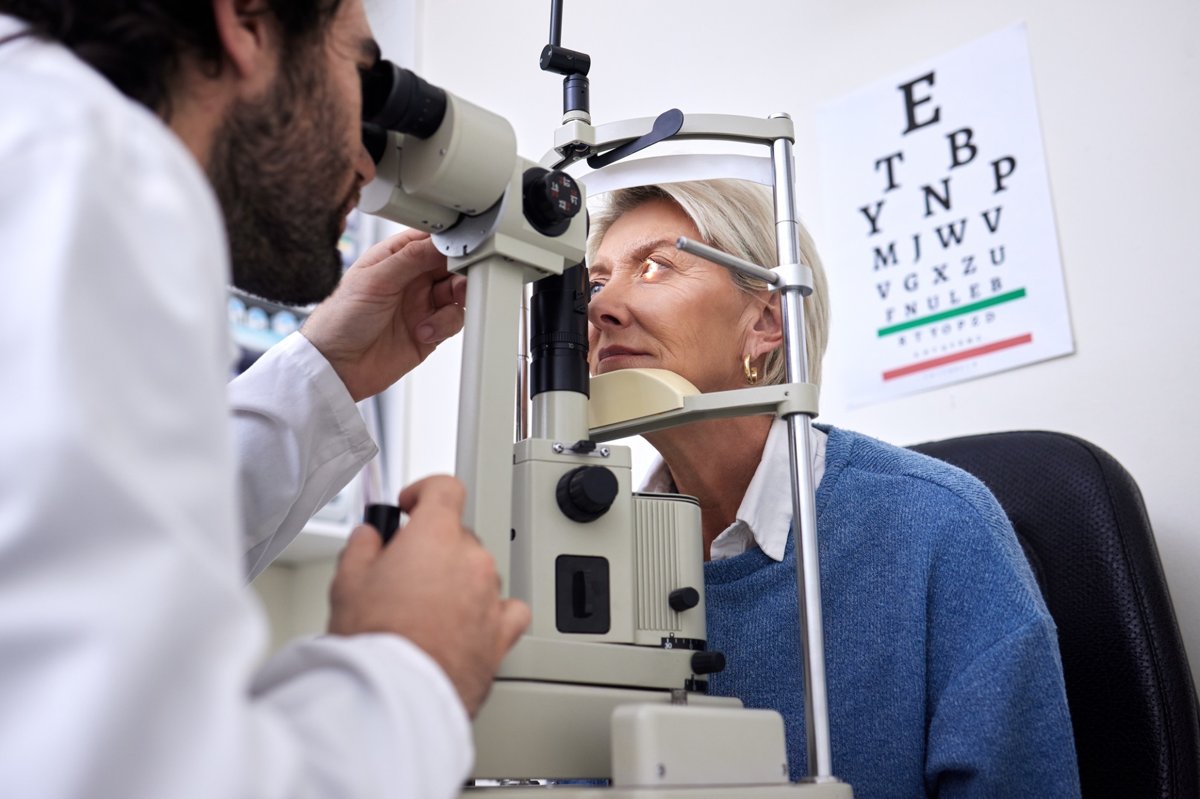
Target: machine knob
{"type": "Point", "coordinates": [551, 199]}
{"type": "Point", "coordinates": [708, 662]}
{"type": "Point", "coordinates": [586, 493]}
{"type": "Point", "coordinates": [384, 518]}
{"type": "Point", "coordinates": [682, 599]}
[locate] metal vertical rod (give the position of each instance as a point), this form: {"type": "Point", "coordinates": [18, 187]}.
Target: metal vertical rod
{"type": "Point", "coordinates": [560, 416]}
{"type": "Point", "coordinates": [804, 513]}
{"type": "Point", "coordinates": [556, 8]}
{"type": "Point", "coordinates": [521, 420]}
{"type": "Point", "coordinates": [483, 459]}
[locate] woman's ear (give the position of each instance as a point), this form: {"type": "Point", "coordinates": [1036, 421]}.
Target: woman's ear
{"type": "Point", "coordinates": [766, 329]}
{"type": "Point", "coordinates": [249, 38]}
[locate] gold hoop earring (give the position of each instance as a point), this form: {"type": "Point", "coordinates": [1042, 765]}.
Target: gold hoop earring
{"type": "Point", "coordinates": [751, 372]}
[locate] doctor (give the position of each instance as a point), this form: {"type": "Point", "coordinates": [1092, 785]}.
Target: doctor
{"type": "Point", "coordinates": [146, 150]}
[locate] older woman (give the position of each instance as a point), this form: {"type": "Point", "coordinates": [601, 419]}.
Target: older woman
{"type": "Point", "coordinates": [943, 670]}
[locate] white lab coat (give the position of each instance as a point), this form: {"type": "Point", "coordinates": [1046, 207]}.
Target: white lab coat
{"type": "Point", "coordinates": [130, 646]}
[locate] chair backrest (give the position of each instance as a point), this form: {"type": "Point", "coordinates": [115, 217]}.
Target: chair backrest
{"type": "Point", "coordinates": [1080, 517]}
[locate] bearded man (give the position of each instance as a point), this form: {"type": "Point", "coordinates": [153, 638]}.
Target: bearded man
{"type": "Point", "coordinates": [150, 151]}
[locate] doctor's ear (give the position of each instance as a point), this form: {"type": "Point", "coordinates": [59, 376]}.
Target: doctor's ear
{"type": "Point", "coordinates": [250, 41]}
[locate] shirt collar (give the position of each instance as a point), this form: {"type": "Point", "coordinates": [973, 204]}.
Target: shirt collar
{"type": "Point", "coordinates": [765, 516]}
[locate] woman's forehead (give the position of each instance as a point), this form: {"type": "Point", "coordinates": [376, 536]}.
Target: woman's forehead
{"type": "Point", "coordinates": [651, 226]}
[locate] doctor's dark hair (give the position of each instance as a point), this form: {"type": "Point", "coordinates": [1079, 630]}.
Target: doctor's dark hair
{"type": "Point", "coordinates": [138, 44]}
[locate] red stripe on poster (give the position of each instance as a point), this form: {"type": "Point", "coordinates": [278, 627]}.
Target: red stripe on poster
{"type": "Point", "coordinates": [958, 356]}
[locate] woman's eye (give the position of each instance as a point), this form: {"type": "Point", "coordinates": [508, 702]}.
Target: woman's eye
{"type": "Point", "coordinates": [652, 270]}
{"type": "Point", "coordinates": [594, 288]}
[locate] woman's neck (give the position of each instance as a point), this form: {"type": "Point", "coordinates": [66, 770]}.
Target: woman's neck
{"type": "Point", "coordinates": [714, 462]}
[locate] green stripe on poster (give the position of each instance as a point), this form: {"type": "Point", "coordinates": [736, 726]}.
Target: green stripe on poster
{"type": "Point", "coordinates": [937, 317]}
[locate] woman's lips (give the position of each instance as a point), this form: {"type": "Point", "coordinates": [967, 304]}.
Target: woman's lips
{"type": "Point", "coordinates": [613, 355]}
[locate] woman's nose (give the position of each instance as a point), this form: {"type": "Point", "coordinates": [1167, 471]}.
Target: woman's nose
{"type": "Point", "coordinates": [609, 306]}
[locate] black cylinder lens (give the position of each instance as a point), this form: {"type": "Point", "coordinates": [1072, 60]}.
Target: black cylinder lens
{"type": "Point", "coordinates": [558, 342]}
{"type": "Point", "coordinates": [397, 99]}
{"type": "Point", "coordinates": [375, 140]}
{"type": "Point", "coordinates": [575, 94]}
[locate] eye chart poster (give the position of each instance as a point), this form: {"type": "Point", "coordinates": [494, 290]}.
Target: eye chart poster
{"type": "Point", "coordinates": [939, 238]}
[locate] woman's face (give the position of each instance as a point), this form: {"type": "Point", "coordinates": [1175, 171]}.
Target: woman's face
{"type": "Point", "coordinates": [653, 306]}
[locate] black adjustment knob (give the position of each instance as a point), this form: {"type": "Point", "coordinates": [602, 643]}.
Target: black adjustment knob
{"type": "Point", "coordinates": [559, 59]}
{"type": "Point", "coordinates": [551, 200]}
{"type": "Point", "coordinates": [708, 662]}
{"type": "Point", "coordinates": [586, 493]}
{"type": "Point", "coordinates": [682, 599]}
{"type": "Point", "coordinates": [384, 518]}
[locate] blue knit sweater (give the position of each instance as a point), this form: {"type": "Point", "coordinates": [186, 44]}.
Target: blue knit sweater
{"type": "Point", "coordinates": [943, 670]}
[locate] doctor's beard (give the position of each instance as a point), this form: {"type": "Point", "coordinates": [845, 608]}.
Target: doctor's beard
{"type": "Point", "coordinates": [279, 173]}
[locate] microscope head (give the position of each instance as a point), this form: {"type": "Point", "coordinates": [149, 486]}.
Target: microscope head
{"type": "Point", "coordinates": [437, 157]}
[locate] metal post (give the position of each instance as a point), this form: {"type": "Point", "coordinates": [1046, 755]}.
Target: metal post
{"type": "Point", "coordinates": [485, 424]}
{"type": "Point", "coordinates": [730, 262]}
{"type": "Point", "coordinates": [556, 10]}
{"type": "Point", "coordinates": [804, 514]}
{"type": "Point", "coordinates": [521, 419]}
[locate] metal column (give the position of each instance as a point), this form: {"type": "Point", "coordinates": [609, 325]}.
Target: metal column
{"type": "Point", "coordinates": [804, 513]}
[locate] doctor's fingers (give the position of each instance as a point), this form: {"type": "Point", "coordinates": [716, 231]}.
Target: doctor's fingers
{"type": "Point", "coordinates": [361, 548]}
{"type": "Point", "coordinates": [354, 562]}
{"type": "Point", "coordinates": [450, 291]}
{"type": "Point", "coordinates": [418, 260]}
{"type": "Point", "coordinates": [388, 247]}
{"type": "Point", "coordinates": [514, 619]}
{"type": "Point", "coordinates": [435, 507]}
{"type": "Point", "coordinates": [437, 492]}
{"type": "Point", "coordinates": [441, 324]}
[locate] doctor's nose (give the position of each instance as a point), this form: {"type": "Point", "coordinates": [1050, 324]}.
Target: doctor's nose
{"type": "Point", "coordinates": [364, 166]}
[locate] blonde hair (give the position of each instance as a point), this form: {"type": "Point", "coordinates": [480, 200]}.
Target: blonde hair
{"type": "Point", "coordinates": [739, 218]}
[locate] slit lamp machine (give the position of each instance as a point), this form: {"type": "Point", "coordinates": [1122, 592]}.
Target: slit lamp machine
{"type": "Point", "coordinates": [608, 683]}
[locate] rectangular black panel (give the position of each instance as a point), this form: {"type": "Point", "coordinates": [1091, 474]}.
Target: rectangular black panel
{"type": "Point", "coordinates": [581, 592]}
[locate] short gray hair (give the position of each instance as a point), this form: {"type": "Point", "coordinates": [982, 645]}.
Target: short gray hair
{"type": "Point", "coordinates": [737, 217]}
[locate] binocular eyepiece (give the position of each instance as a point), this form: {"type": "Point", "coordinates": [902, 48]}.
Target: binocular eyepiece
{"type": "Point", "coordinates": [398, 99]}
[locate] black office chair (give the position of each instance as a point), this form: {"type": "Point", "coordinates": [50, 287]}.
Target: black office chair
{"type": "Point", "coordinates": [1079, 516]}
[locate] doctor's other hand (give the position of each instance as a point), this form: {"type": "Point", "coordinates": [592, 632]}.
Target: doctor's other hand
{"type": "Point", "coordinates": [391, 309]}
{"type": "Point", "coordinates": [434, 584]}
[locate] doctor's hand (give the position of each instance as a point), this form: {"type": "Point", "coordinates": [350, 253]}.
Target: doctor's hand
{"type": "Point", "coordinates": [434, 584]}
{"type": "Point", "coordinates": [391, 309]}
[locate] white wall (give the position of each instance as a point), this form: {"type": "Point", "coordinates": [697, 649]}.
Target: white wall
{"type": "Point", "coordinates": [1116, 85]}
{"type": "Point", "coordinates": [296, 598]}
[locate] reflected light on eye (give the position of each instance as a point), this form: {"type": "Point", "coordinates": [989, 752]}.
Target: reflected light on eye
{"type": "Point", "coordinates": [652, 270]}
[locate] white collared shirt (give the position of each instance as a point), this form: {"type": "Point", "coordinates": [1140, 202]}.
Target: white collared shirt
{"type": "Point", "coordinates": [765, 515]}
